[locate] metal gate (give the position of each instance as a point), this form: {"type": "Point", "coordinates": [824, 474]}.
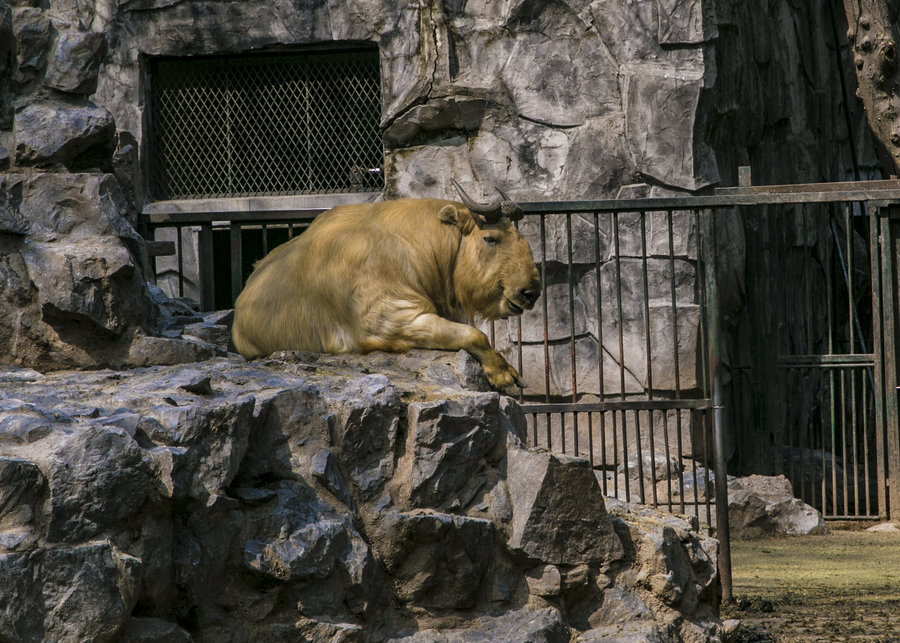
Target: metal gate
{"type": "Point", "coordinates": [829, 422]}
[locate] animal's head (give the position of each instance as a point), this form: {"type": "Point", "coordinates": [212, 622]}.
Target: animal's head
{"type": "Point", "coordinates": [495, 273]}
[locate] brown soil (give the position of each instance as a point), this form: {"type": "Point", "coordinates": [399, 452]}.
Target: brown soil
{"type": "Point", "coordinates": [844, 586]}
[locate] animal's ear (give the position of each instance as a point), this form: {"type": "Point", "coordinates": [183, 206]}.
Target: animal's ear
{"type": "Point", "coordinates": [449, 215]}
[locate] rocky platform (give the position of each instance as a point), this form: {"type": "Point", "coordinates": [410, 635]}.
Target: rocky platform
{"type": "Point", "coordinates": [320, 498]}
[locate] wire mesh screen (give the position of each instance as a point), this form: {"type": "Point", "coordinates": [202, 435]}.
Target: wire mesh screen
{"type": "Point", "coordinates": [255, 125]}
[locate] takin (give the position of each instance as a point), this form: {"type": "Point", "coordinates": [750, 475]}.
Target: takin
{"type": "Point", "coordinates": [392, 276]}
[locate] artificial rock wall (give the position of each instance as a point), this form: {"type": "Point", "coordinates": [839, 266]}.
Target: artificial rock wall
{"type": "Point", "coordinates": [569, 99]}
{"type": "Point", "coordinates": [551, 100]}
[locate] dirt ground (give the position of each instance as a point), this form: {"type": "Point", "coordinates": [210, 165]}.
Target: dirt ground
{"type": "Point", "coordinates": [844, 586]}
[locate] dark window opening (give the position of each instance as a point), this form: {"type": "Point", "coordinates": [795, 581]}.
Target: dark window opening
{"type": "Point", "coordinates": [266, 124]}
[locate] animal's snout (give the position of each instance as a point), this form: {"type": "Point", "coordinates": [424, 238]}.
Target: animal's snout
{"type": "Point", "coordinates": [529, 295]}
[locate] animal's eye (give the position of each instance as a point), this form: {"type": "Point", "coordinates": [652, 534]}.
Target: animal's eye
{"type": "Point", "coordinates": [491, 241]}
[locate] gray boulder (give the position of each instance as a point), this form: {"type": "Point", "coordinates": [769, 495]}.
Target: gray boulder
{"type": "Point", "coordinates": [558, 512]}
{"type": "Point", "coordinates": [53, 133]}
{"type": "Point", "coordinates": [74, 64]}
{"type": "Point", "coordinates": [353, 498]}
{"type": "Point", "coordinates": [765, 506]}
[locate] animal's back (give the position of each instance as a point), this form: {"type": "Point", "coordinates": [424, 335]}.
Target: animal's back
{"type": "Point", "coordinates": [314, 292]}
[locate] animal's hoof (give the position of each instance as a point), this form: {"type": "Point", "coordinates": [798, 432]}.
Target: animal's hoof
{"type": "Point", "coordinates": [502, 379]}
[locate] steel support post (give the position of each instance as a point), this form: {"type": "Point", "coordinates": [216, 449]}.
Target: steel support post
{"type": "Point", "coordinates": [890, 284]}
{"type": "Point", "coordinates": [723, 532]}
{"type": "Point", "coordinates": [207, 270]}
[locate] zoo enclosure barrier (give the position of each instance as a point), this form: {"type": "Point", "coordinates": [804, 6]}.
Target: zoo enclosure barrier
{"type": "Point", "coordinates": [624, 351]}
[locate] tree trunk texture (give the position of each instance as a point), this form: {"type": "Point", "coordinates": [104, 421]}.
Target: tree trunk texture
{"type": "Point", "coordinates": [872, 32]}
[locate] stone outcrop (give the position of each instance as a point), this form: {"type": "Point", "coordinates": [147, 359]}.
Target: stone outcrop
{"type": "Point", "coordinates": [764, 506]}
{"type": "Point", "coordinates": [73, 269]}
{"type": "Point", "coordinates": [73, 275]}
{"type": "Point", "coordinates": [320, 498]}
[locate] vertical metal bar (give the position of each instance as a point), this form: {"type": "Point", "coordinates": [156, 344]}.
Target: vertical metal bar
{"type": "Point", "coordinates": [864, 409]}
{"type": "Point", "coordinates": [890, 230]}
{"type": "Point", "coordinates": [843, 420]}
{"type": "Point", "coordinates": [615, 451]}
{"type": "Point", "coordinates": [665, 416]}
{"type": "Point", "coordinates": [854, 430]}
{"type": "Point", "coordinates": [639, 452]}
{"type": "Point", "coordinates": [562, 431]}
{"type": "Point", "coordinates": [848, 275]}
{"type": "Point", "coordinates": [790, 443]}
{"type": "Point", "coordinates": [207, 269]}
{"type": "Point", "coordinates": [680, 449]}
{"type": "Point", "coordinates": [794, 475]}
{"type": "Point", "coordinates": [625, 457]}
{"type": "Point", "coordinates": [590, 434]}
{"type": "Point", "coordinates": [878, 327]}
{"type": "Point", "coordinates": [652, 444]}
{"type": "Point", "coordinates": [823, 424]}
{"type": "Point", "coordinates": [646, 302]}
{"type": "Point", "coordinates": [807, 278]}
{"type": "Point", "coordinates": [180, 261]}
{"type": "Point", "coordinates": [697, 419]}
{"type": "Point", "coordinates": [237, 261]}
{"type": "Point", "coordinates": [833, 397]}
{"type": "Point", "coordinates": [598, 276]}
{"type": "Point", "coordinates": [675, 355]}
{"type": "Point", "coordinates": [601, 378]}
{"type": "Point", "coordinates": [544, 307]}
{"type": "Point", "coordinates": [572, 351]}
{"type": "Point", "coordinates": [603, 451]}
{"type": "Point", "coordinates": [707, 465]}
{"type": "Point", "coordinates": [519, 360]}
{"type": "Point", "coordinates": [723, 531]}
{"type": "Point", "coordinates": [833, 384]}
{"type": "Point", "coordinates": [621, 316]}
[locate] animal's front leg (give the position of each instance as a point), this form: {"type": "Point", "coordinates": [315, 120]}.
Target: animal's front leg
{"type": "Point", "coordinates": [432, 331]}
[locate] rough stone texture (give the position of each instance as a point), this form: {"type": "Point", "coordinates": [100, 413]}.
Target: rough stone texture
{"type": "Point", "coordinates": [75, 62]}
{"type": "Point", "coordinates": [319, 498]}
{"type": "Point", "coordinates": [73, 273]}
{"type": "Point", "coordinates": [557, 100]}
{"type": "Point", "coordinates": [568, 99]}
{"type": "Point", "coordinates": [77, 137]}
{"type": "Point", "coordinates": [74, 270]}
{"type": "Point", "coordinates": [763, 506]}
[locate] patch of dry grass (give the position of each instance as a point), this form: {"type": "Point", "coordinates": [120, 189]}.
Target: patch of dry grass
{"type": "Point", "coordinates": [844, 586]}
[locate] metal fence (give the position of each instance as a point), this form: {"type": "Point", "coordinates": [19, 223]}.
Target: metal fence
{"type": "Point", "coordinates": [287, 123]}
{"type": "Point", "coordinates": [823, 427]}
{"type": "Point", "coordinates": [618, 351]}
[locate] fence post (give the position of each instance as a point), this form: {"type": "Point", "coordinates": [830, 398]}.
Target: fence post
{"type": "Point", "coordinates": [723, 532]}
{"type": "Point", "coordinates": [890, 247]}
{"type": "Point", "coordinates": [207, 270]}
{"type": "Point", "coordinates": [237, 260]}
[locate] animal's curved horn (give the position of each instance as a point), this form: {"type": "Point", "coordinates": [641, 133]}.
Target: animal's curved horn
{"type": "Point", "coordinates": [508, 207]}
{"type": "Point", "coordinates": [492, 211]}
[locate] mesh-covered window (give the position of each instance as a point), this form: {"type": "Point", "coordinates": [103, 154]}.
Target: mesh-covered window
{"type": "Point", "coordinates": [273, 124]}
